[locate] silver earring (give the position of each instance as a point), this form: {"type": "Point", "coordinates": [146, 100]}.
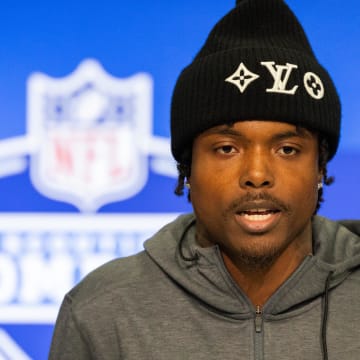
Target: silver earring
{"type": "Point", "coordinates": [320, 185]}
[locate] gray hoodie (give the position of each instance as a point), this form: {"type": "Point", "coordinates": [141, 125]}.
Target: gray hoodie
{"type": "Point", "coordinates": [156, 305]}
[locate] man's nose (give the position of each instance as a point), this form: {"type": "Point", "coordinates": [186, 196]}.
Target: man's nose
{"type": "Point", "coordinates": [258, 170]}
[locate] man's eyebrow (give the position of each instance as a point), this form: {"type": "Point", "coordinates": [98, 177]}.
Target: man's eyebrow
{"type": "Point", "coordinates": [228, 130]}
{"type": "Point", "coordinates": [301, 133]}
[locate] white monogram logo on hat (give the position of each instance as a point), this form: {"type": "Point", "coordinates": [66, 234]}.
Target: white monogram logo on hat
{"type": "Point", "coordinates": [242, 77]}
{"type": "Point", "coordinates": [314, 85]}
{"type": "Point", "coordinates": [281, 74]}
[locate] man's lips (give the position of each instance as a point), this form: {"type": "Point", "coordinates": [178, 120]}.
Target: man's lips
{"type": "Point", "coordinates": [257, 213]}
{"type": "Point", "coordinates": [258, 221]}
{"type": "Point", "coordinates": [258, 216]}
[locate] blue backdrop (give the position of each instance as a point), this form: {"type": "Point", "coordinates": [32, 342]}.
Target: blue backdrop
{"type": "Point", "coordinates": [64, 62]}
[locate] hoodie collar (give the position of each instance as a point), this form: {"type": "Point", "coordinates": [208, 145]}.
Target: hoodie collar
{"type": "Point", "coordinates": [336, 249]}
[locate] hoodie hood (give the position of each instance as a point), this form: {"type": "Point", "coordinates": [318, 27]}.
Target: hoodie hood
{"type": "Point", "coordinates": [205, 277]}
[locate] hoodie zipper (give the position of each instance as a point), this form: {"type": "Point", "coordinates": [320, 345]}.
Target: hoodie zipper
{"type": "Point", "coordinates": [258, 319]}
{"type": "Point", "coordinates": [258, 333]}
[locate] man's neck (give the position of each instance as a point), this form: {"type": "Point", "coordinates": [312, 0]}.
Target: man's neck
{"type": "Point", "coordinates": [260, 283]}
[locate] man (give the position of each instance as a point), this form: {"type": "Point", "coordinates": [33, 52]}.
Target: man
{"type": "Point", "coordinates": [253, 274]}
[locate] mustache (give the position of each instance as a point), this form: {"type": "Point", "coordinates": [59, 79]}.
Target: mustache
{"type": "Point", "coordinates": [250, 197]}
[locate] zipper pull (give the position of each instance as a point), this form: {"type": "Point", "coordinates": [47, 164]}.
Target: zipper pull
{"type": "Point", "coordinates": [258, 319]}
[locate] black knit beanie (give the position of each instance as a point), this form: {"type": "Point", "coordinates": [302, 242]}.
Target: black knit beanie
{"type": "Point", "coordinates": [256, 64]}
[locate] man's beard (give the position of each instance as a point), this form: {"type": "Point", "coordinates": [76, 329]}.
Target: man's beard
{"type": "Point", "coordinates": [258, 261]}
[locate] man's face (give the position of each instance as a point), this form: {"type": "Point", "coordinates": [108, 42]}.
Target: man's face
{"type": "Point", "coordinates": [254, 188]}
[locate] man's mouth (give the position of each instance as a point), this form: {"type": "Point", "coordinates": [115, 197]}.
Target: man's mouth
{"type": "Point", "coordinates": [257, 213]}
{"type": "Point", "coordinates": [259, 220]}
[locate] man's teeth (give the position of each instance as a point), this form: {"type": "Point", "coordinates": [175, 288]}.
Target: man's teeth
{"type": "Point", "coordinates": [258, 215]}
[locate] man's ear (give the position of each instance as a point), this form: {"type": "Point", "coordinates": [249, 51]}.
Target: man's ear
{"type": "Point", "coordinates": [320, 179]}
{"type": "Point", "coordinates": [320, 176]}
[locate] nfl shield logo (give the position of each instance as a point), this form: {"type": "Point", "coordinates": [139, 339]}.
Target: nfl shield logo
{"type": "Point", "coordinates": [91, 132]}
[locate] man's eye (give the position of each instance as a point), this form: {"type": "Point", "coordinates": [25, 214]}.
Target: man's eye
{"type": "Point", "coordinates": [226, 149]}
{"type": "Point", "coordinates": [288, 150]}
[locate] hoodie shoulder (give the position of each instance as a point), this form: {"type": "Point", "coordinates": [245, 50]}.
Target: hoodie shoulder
{"type": "Point", "coordinates": [106, 279]}
{"type": "Point", "coordinates": [337, 243]}
{"type": "Point", "coordinates": [119, 275]}
{"type": "Point", "coordinates": [352, 225]}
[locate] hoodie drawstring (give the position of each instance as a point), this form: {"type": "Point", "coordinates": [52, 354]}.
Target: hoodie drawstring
{"type": "Point", "coordinates": [324, 319]}
{"type": "Point", "coordinates": [181, 241]}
